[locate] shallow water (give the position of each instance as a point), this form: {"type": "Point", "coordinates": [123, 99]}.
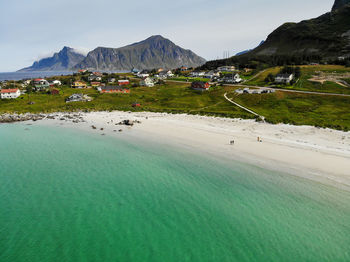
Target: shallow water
{"type": "Point", "coordinates": [66, 195]}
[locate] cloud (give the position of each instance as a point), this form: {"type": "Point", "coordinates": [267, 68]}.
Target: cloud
{"type": "Point", "coordinates": [82, 50]}
{"type": "Point", "coordinates": [44, 55]}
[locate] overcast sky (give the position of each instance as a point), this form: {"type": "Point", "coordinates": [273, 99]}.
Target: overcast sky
{"type": "Point", "coordinates": [32, 29]}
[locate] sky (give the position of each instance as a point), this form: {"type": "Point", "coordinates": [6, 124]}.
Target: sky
{"type": "Point", "coordinates": [30, 30]}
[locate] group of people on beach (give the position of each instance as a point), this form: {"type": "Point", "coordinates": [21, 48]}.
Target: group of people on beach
{"type": "Point", "coordinates": [232, 142]}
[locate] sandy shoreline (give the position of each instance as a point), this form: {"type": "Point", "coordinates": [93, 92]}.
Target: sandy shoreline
{"type": "Point", "coordinates": [322, 155]}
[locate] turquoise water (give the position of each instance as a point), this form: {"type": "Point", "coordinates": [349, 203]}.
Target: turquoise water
{"type": "Point", "coordinates": [72, 196]}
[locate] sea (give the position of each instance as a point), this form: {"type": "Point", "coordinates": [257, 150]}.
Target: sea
{"type": "Point", "coordinates": [30, 75]}
{"type": "Point", "coordinates": [71, 195]}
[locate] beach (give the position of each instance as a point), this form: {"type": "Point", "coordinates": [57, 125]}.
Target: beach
{"type": "Point", "coordinates": [322, 155]}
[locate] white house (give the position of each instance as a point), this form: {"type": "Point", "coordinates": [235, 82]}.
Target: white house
{"type": "Point", "coordinates": [234, 79]}
{"type": "Point", "coordinates": [197, 74]}
{"type": "Point", "coordinates": [165, 74]}
{"type": "Point", "coordinates": [226, 68]}
{"type": "Point", "coordinates": [147, 82]}
{"type": "Point", "coordinates": [93, 77]}
{"type": "Point", "coordinates": [10, 93]}
{"type": "Point", "coordinates": [284, 78]}
{"type": "Point", "coordinates": [56, 82]}
{"type": "Point", "coordinates": [212, 74]}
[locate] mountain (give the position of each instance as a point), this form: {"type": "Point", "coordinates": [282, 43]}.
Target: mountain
{"type": "Point", "coordinates": [327, 36]}
{"type": "Point", "coordinates": [61, 61]}
{"type": "Point", "coordinates": [339, 4]}
{"type": "Point", "coordinates": [154, 52]}
{"type": "Point", "coordinates": [324, 38]}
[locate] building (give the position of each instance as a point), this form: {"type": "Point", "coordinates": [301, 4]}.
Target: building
{"type": "Point", "coordinates": [41, 84]}
{"type": "Point", "coordinates": [82, 71]}
{"type": "Point", "coordinates": [165, 74]}
{"type": "Point", "coordinates": [197, 74]}
{"type": "Point", "coordinates": [10, 93]}
{"type": "Point", "coordinates": [184, 68]}
{"type": "Point", "coordinates": [93, 77]}
{"type": "Point", "coordinates": [79, 84]}
{"type": "Point", "coordinates": [55, 83]}
{"type": "Point", "coordinates": [212, 74]}
{"type": "Point", "coordinates": [284, 78]}
{"type": "Point", "coordinates": [232, 79]}
{"type": "Point", "coordinates": [113, 90]}
{"type": "Point", "coordinates": [111, 80]}
{"type": "Point", "coordinates": [75, 98]}
{"type": "Point", "coordinates": [147, 82]}
{"type": "Point", "coordinates": [226, 68]}
{"type": "Point", "coordinates": [123, 82]}
{"type": "Point", "coordinates": [201, 86]}
{"type": "Point", "coordinates": [135, 70]}
{"type": "Point", "coordinates": [95, 84]}
{"type": "Point", "coordinates": [143, 74]}
{"type": "Point", "coordinates": [97, 74]}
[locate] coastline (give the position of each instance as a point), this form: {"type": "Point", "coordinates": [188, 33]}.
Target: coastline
{"type": "Point", "coordinates": [321, 155]}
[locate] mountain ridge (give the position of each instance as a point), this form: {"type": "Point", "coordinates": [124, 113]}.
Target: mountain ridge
{"type": "Point", "coordinates": [63, 60]}
{"type": "Point", "coordinates": [321, 39]}
{"type": "Point", "coordinates": [153, 52]}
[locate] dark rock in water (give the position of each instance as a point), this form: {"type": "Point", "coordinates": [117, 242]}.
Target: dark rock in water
{"type": "Point", "coordinates": [120, 130]}
{"type": "Point", "coordinates": [94, 127]}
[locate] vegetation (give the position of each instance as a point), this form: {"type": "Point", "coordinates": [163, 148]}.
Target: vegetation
{"type": "Point", "coordinates": [171, 98]}
{"type": "Point", "coordinates": [190, 79]}
{"type": "Point", "coordinates": [175, 97]}
{"type": "Point", "coordinates": [303, 82]}
{"type": "Point", "coordinates": [300, 109]}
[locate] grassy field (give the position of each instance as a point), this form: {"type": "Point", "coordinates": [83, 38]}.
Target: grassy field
{"type": "Point", "coordinates": [172, 98]}
{"type": "Point", "coordinates": [300, 109]}
{"type": "Point", "coordinates": [281, 107]}
{"type": "Point", "coordinates": [303, 84]}
{"type": "Point", "coordinates": [189, 79]}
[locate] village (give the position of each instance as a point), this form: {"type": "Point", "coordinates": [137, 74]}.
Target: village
{"type": "Point", "coordinates": [114, 83]}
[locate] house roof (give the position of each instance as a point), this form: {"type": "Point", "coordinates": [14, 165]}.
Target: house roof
{"type": "Point", "coordinates": [14, 90]}
{"type": "Point", "coordinates": [284, 75]}
{"type": "Point", "coordinates": [112, 88]}
{"type": "Point", "coordinates": [200, 83]}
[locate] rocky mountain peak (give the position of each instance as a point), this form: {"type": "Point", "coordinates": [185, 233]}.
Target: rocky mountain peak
{"type": "Point", "coordinates": [339, 4]}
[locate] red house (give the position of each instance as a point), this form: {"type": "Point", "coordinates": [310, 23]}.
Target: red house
{"type": "Point", "coordinates": [201, 86]}
{"type": "Point", "coordinates": [123, 82]}
{"type": "Point", "coordinates": [114, 89]}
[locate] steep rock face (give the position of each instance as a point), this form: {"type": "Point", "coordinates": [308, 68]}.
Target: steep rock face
{"type": "Point", "coordinates": [154, 52]}
{"type": "Point", "coordinates": [325, 36]}
{"type": "Point", "coordinates": [339, 4]}
{"type": "Point", "coordinates": [61, 61]}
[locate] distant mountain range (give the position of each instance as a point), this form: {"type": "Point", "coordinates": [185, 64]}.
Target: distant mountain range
{"type": "Point", "coordinates": [64, 60]}
{"type": "Point", "coordinates": [154, 52]}
{"type": "Point", "coordinates": [324, 38]}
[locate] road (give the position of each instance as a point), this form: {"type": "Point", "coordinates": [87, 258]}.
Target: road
{"type": "Point", "coordinates": [244, 108]}
{"type": "Point", "coordinates": [276, 89]}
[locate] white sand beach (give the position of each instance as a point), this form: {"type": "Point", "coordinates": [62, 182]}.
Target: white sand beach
{"type": "Point", "coordinates": [322, 155]}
